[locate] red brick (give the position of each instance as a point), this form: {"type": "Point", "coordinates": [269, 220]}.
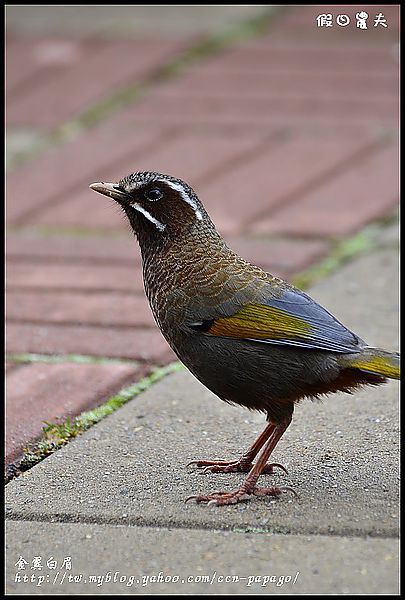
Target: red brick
{"type": "Point", "coordinates": [289, 83]}
{"type": "Point", "coordinates": [269, 56]}
{"type": "Point", "coordinates": [96, 74]}
{"type": "Point", "coordinates": [307, 82]}
{"type": "Point", "coordinates": [23, 274]}
{"type": "Point", "coordinates": [242, 194]}
{"type": "Point", "coordinates": [366, 191]}
{"type": "Point", "coordinates": [283, 256]}
{"type": "Point", "coordinates": [194, 155]}
{"type": "Point", "coordinates": [19, 61]}
{"type": "Point", "coordinates": [82, 208]}
{"type": "Point", "coordinates": [117, 342]}
{"type": "Point", "coordinates": [32, 60]}
{"type": "Point", "coordinates": [67, 167]}
{"type": "Point", "coordinates": [255, 111]}
{"type": "Point", "coordinates": [191, 155]}
{"type": "Point", "coordinates": [10, 366]}
{"type": "Point", "coordinates": [27, 245]}
{"type": "Point", "coordinates": [45, 392]}
{"type": "Point", "coordinates": [95, 308]}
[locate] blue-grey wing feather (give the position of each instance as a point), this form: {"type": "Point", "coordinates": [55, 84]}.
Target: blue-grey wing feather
{"type": "Point", "coordinates": [327, 333]}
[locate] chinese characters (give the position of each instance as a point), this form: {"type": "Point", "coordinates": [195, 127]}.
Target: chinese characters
{"type": "Point", "coordinates": [327, 20]}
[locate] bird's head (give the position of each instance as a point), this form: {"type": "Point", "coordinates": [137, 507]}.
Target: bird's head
{"type": "Point", "coordinates": [158, 206]}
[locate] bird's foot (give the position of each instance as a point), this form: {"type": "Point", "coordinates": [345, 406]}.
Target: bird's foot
{"type": "Point", "coordinates": [239, 495]}
{"type": "Point", "coordinates": [233, 466]}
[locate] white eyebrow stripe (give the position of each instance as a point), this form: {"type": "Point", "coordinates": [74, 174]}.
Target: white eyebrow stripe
{"type": "Point", "coordinates": [157, 224]}
{"type": "Point", "coordinates": [185, 197]}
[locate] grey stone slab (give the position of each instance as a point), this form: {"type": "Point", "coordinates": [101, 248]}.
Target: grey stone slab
{"type": "Point", "coordinates": [342, 454]}
{"type": "Point", "coordinates": [108, 559]}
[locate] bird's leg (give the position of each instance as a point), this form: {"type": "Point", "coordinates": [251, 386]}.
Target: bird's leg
{"type": "Point", "coordinates": [249, 487]}
{"type": "Point", "coordinates": [245, 462]}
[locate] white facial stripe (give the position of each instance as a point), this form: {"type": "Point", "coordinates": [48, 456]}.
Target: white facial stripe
{"type": "Point", "coordinates": [185, 197]}
{"type": "Point", "coordinates": [157, 224]}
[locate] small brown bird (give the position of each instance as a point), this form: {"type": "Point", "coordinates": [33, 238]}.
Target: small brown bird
{"type": "Point", "coordinates": [249, 337]}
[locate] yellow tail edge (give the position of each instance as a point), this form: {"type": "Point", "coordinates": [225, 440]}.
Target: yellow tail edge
{"type": "Point", "coordinates": [379, 362]}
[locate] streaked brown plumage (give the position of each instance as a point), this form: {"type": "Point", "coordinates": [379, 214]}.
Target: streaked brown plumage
{"type": "Point", "coordinates": [250, 337]}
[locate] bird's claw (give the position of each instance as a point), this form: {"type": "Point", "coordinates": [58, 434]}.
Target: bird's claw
{"type": "Point", "coordinates": [261, 491]}
{"type": "Point", "coordinates": [233, 466]}
{"type": "Point", "coordinates": [269, 468]}
{"type": "Point", "coordinates": [240, 495]}
{"type": "Point", "coordinates": [290, 489]}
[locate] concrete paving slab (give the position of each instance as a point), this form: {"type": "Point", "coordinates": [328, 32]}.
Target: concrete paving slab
{"type": "Point", "coordinates": [107, 559]}
{"type": "Point", "coordinates": [342, 454]}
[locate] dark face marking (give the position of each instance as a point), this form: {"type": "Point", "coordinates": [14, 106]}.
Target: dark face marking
{"type": "Point", "coordinates": [167, 204]}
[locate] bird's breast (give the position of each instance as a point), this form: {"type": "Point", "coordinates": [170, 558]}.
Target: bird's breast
{"type": "Point", "coordinates": [185, 287]}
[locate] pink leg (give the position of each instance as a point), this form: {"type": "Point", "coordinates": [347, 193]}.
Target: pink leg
{"type": "Point", "coordinates": [249, 487]}
{"type": "Point", "coordinates": [245, 462]}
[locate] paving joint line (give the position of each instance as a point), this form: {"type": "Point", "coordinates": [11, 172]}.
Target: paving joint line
{"type": "Point", "coordinates": [33, 357]}
{"type": "Point", "coordinates": [169, 524]}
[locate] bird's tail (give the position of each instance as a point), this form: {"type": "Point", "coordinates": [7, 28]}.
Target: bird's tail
{"type": "Point", "coordinates": [375, 361]}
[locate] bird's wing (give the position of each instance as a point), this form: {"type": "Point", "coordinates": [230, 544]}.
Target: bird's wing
{"type": "Point", "coordinates": [293, 319]}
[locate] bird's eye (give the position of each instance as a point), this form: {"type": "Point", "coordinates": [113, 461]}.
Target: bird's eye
{"type": "Point", "coordinates": [153, 194]}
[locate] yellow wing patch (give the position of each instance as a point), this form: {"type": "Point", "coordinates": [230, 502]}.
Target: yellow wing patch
{"type": "Point", "coordinates": [257, 321]}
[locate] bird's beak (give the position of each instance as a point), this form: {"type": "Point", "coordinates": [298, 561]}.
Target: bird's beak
{"type": "Point", "coordinates": [111, 190]}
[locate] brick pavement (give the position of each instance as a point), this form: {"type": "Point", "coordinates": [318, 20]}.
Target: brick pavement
{"type": "Point", "coordinates": [290, 139]}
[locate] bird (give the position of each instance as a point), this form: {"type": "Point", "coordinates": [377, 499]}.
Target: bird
{"type": "Point", "coordinates": [250, 337]}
